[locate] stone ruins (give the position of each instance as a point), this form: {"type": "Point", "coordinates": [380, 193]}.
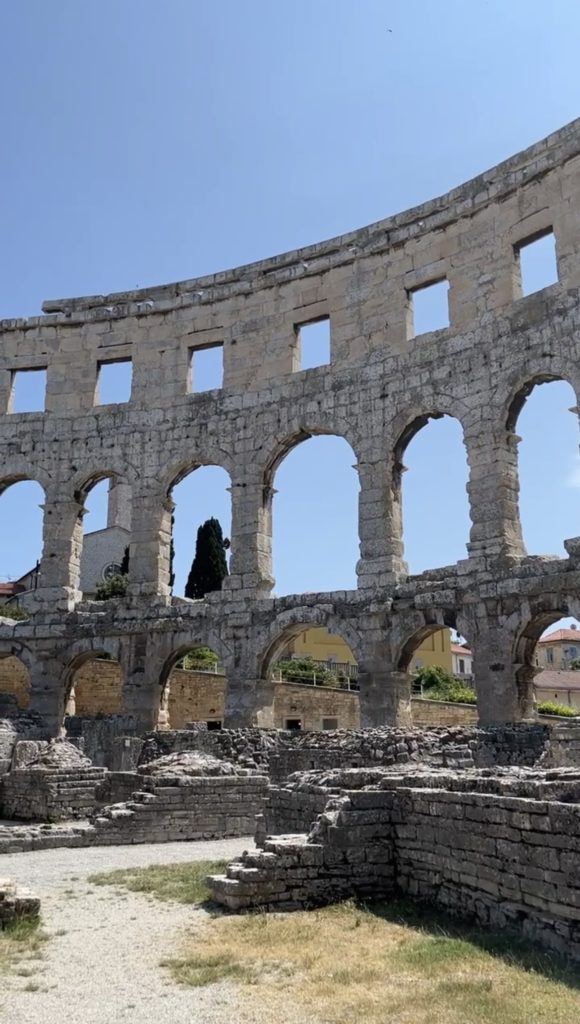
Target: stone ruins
{"type": "Point", "coordinates": [483, 819]}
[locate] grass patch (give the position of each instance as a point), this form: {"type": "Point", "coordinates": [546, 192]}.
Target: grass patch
{"type": "Point", "coordinates": [20, 943]}
{"type": "Point", "coordinates": [380, 963]}
{"type": "Point", "coordinates": [183, 883]}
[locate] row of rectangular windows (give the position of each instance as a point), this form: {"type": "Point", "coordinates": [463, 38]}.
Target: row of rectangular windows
{"type": "Point", "coordinates": [428, 311]}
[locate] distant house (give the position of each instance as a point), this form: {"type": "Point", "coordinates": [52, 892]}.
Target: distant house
{"type": "Point", "coordinates": [462, 661]}
{"type": "Point", "coordinates": [558, 649]}
{"type": "Point", "coordinates": [558, 686]}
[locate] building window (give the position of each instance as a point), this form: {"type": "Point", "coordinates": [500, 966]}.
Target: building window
{"type": "Point", "coordinates": [550, 656]}
{"type": "Point", "coordinates": [213, 723]}
{"type": "Point", "coordinates": [428, 308]}
{"type": "Point", "coordinates": [330, 723]}
{"type": "Point", "coordinates": [294, 723]}
{"type": "Point", "coordinates": [461, 667]}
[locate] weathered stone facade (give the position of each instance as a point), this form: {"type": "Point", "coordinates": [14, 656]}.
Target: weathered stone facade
{"type": "Point", "coordinates": [381, 386]}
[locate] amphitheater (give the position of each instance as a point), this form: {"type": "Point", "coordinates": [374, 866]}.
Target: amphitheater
{"type": "Point", "coordinates": [509, 783]}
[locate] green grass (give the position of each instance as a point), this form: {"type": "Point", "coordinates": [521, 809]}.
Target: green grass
{"type": "Point", "coordinates": [183, 883]}
{"type": "Point", "coordinates": [20, 944]}
{"type": "Point", "coordinates": [382, 963]}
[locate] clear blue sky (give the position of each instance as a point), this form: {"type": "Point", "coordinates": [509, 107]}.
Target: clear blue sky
{"type": "Point", "coordinates": [147, 142]}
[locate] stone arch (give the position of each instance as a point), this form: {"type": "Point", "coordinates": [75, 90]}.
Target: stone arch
{"type": "Point", "coordinates": [306, 501]}
{"type": "Point", "coordinates": [34, 531]}
{"type": "Point", "coordinates": [522, 472]}
{"type": "Point", "coordinates": [94, 678]}
{"type": "Point", "coordinates": [193, 692]}
{"type": "Point", "coordinates": [16, 662]}
{"type": "Point", "coordinates": [291, 623]}
{"type": "Point", "coordinates": [534, 618]}
{"type": "Point", "coordinates": [277, 447]}
{"type": "Point", "coordinates": [406, 428]}
{"type": "Point", "coordinates": [94, 550]}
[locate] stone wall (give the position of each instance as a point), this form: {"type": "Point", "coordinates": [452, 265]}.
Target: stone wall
{"type": "Point", "coordinates": [440, 713]}
{"type": "Point", "coordinates": [32, 795]}
{"type": "Point", "coordinates": [506, 860]}
{"type": "Point", "coordinates": [97, 689]}
{"type": "Point", "coordinates": [380, 387]}
{"type": "Point", "coordinates": [15, 681]}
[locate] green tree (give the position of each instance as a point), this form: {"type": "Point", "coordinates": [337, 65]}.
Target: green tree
{"type": "Point", "coordinates": [575, 664]}
{"type": "Point", "coordinates": [125, 562]}
{"type": "Point", "coordinates": [209, 567]}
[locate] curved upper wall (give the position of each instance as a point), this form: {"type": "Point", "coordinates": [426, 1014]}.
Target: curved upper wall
{"type": "Point", "coordinates": [361, 282]}
{"type": "Point", "coordinates": [492, 187]}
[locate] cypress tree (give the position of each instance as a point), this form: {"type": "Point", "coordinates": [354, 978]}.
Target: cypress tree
{"type": "Point", "coordinates": [209, 567]}
{"type": "Point", "coordinates": [125, 562]}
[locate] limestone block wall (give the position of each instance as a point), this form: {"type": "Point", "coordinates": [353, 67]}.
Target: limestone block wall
{"type": "Point", "coordinates": [440, 713]}
{"type": "Point", "coordinates": [97, 689]}
{"type": "Point", "coordinates": [15, 681]}
{"type": "Point", "coordinates": [380, 387]}
{"type": "Point", "coordinates": [29, 795]}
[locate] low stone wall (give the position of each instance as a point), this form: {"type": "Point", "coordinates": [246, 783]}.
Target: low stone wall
{"type": "Point", "coordinates": [429, 713]}
{"type": "Point", "coordinates": [504, 860]}
{"type": "Point", "coordinates": [32, 795]}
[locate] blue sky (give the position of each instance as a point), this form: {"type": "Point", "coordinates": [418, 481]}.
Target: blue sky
{"type": "Point", "coordinates": [147, 142]}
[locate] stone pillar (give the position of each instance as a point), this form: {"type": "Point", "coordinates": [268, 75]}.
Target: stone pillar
{"type": "Point", "coordinates": [380, 526]}
{"type": "Point", "coordinates": [59, 576]}
{"type": "Point", "coordinates": [385, 697]}
{"type": "Point", "coordinates": [47, 690]}
{"type": "Point", "coordinates": [493, 490]}
{"type": "Point", "coordinates": [505, 693]}
{"type": "Point", "coordinates": [149, 553]}
{"type": "Point", "coordinates": [251, 540]}
{"type": "Point", "coordinates": [142, 692]}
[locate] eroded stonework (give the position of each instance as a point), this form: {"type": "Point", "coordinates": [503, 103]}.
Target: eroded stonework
{"type": "Point", "coordinates": [379, 389]}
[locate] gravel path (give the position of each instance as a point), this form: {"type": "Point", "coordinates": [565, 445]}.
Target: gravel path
{"type": "Point", "coordinates": [102, 963]}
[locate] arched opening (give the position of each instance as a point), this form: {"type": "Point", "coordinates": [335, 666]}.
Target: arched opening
{"type": "Point", "coordinates": [193, 689]}
{"type": "Point", "coordinates": [548, 464]}
{"type": "Point", "coordinates": [105, 535]}
{"type": "Point", "coordinates": [432, 495]}
{"type": "Point", "coordinates": [548, 662]}
{"type": "Point", "coordinates": [315, 516]}
{"type": "Point", "coordinates": [95, 686]}
{"type": "Point", "coordinates": [439, 662]}
{"type": "Point", "coordinates": [315, 677]}
{"type": "Point", "coordinates": [198, 497]}
{"type": "Point", "coordinates": [14, 686]}
{"type": "Point", "coordinates": [21, 542]}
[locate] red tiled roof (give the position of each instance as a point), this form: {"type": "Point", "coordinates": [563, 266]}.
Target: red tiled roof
{"type": "Point", "coordinates": [561, 635]}
{"type": "Point", "coordinates": [551, 679]}
{"type": "Point", "coordinates": [460, 649]}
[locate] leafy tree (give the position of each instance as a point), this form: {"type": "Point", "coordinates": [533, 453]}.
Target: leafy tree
{"type": "Point", "coordinates": [171, 555]}
{"type": "Point", "coordinates": [305, 670]}
{"type": "Point", "coordinates": [441, 685]}
{"type": "Point", "coordinates": [209, 567]}
{"type": "Point", "coordinates": [434, 676]}
{"type": "Point", "coordinates": [575, 664]}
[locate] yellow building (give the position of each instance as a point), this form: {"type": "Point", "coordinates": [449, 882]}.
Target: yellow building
{"type": "Point", "coordinates": [320, 645]}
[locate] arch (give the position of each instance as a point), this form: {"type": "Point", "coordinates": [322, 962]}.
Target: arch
{"type": "Point", "coordinates": [520, 391]}
{"type": "Point", "coordinates": [180, 469]}
{"type": "Point", "coordinates": [289, 624]}
{"type": "Point", "coordinates": [102, 530]}
{"type": "Point", "coordinates": [438, 665]}
{"type": "Point", "coordinates": [192, 689]}
{"type": "Point", "coordinates": [22, 549]}
{"type": "Point", "coordinates": [279, 446]}
{"type": "Point", "coordinates": [403, 505]}
{"type": "Point", "coordinates": [545, 464]}
{"type": "Point", "coordinates": [315, 506]}
{"type": "Point", "coordinates": [192, 500]}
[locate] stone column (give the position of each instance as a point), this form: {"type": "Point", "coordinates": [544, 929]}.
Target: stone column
{"type": "Point", "coordinates": [380, 526]}
{"type": "Point", "coordinates": [505, 694]}
{"type": "Point", "coordinates": [58, 580]}
{"type": "Point", "coordinates": [142, 692]}
{"type": "Point", "coordinates": [47, 690]}
{"type": "Point", "coordinates": [251, 540]}
{"type": "Point", "coordinates": [385, 697]}
{"type": "Point", "coordinates": [149, 552]}
{"type": "Point", "coordinates": [249, 702]}
{"type": "Point", "coordinates": [493, 490]}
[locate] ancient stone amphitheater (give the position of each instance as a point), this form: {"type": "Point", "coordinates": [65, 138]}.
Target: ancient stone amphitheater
{"type": "Point", "coordinates": [483, 820]}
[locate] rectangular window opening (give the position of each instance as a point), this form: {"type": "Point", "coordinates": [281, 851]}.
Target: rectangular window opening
{"type": "Point", "coordinates": [214, 723]}
{"type": "Point", "coordinates": [114, 380]}
{"type": "Point", "coordinates": [537, 262]}
{"type": "Point", "coordinates": [206, 368]}
{"type": "Point", "coordinates": [294, 723]}
{"type": "Point", "coordinates": [330, 723]}
{"type": "Point", "coordinates": [429, 308]}
{"type": "Point", "coordinates": [313, 343]}
{"type": "Point", "coordinates": [28, 391]}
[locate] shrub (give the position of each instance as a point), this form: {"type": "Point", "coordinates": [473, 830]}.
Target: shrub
{"type": "Point", "coordinates": [202, 659]}
{"type": "Point", "coordinates": [441, 685]}
{"type": "Point", "coordinates": [305, 670]}
{"type": "Point", "coordinates": [550, 707]}
{"type": "Point", "coordinates": [13, 611]}
{"type": "Point", "coordinates": [116, 586]}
